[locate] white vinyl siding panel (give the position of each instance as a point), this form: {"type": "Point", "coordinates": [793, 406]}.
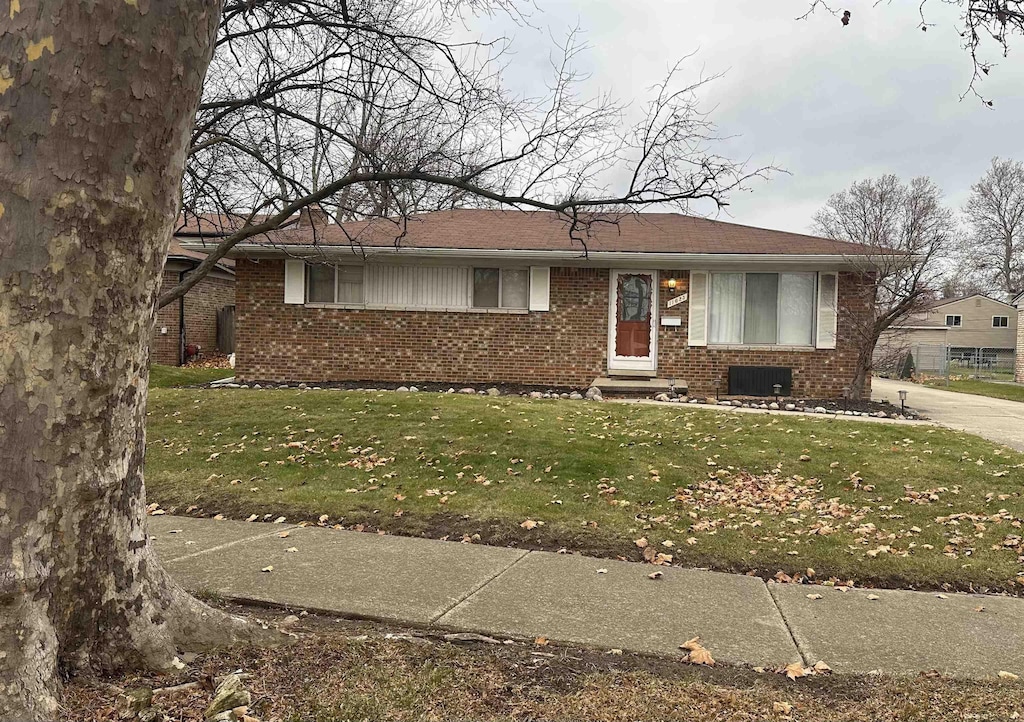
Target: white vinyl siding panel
{"type": "Point", "coordinates": [418, 286]}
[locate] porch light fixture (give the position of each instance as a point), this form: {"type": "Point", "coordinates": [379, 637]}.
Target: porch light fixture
{"type": "Point", "coordinates": [672, 285]}
{"type": "Point", "coordinates": [777, 390]}
{"type": "Point", "coordinates": [718, 385]}
{"type": "Point", "coordinates": [903, 399]}
{"type": "Point", "coordinates": [846, 398]}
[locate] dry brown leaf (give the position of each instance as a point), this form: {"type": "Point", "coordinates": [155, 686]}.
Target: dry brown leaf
{"type": "Point", "coordinates": [782, 707]}
{"type": "Point", "coordinates": [698, 654]}
{"type": "Point", "coordinates": [529, 524]}
{"type": "Point", "coordinates": [641, 542]}
{"type": "Point", "coordinates": [795, 670]}
{"type": "Point", "coordinates": [541, 641]}
{"type": "Point", "coordinates": [1003, 674]}
{"type": "Point", "coordinates": [655, 575]}
{"type": "Point", "coordinates": [821, 668]}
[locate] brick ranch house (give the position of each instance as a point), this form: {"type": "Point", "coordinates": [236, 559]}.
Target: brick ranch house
{"type": "Point", "coordinates": [491, 296]}
{"type": "Point", "coordinates": [192, 319]}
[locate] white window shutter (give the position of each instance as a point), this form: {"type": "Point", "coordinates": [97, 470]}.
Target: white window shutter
{"type": "Point", "coordinates": [697, 325]}
{"type": "Point", "coordinates": [540, 288]}
{"type": "Point", "coordinates": [294, 281]}
{"type": "Point", "coordinates": [828, 309]}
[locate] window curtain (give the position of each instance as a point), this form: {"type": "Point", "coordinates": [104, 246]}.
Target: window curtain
{"type": "Point", "coordinates": [726, 311]}
{"type": "Point", "coordinates": [761, 315]}
{"type": "Point", "coordinates": [796, 309]}
{"type": "Point", "coordinates": [515, 288]}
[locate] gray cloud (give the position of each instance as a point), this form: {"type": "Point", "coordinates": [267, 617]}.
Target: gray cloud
{"type": "Point", "coordinates": [829, 104]}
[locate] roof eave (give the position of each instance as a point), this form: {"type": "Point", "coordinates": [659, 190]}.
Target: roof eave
{"type": "Point", "coordinates": [633, 258]}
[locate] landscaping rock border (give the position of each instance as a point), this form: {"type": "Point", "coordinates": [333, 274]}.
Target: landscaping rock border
{"type": "Point", "coordinates": [832, 407]}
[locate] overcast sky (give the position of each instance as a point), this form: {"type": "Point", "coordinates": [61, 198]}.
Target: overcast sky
{"type": "Point", "coordinates": [829, 104]}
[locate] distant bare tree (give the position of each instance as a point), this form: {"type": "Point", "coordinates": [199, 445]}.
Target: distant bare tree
{"type": "Point", "coordinates": [982, 22]}
{"type": "Point", "coordinates": [908, 230]}
{"type": "Point", "coordinates": [368, 109]}
{"type": "Point", "coordinates": [995, 214]}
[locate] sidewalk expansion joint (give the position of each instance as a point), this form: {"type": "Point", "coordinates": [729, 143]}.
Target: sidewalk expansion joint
{"type": "Point", "coordinates": [225, 545]}
{"type": "Point", "coordinates": [476, 589]}
{"type": "Point", "coordinates": [785, 622]}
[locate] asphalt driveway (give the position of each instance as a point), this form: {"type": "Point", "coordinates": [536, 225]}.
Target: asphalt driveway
{"type": "Point", "coordinates": [993, 419]}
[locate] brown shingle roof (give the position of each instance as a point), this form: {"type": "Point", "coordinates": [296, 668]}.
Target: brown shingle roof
{"type": "Point", "coordinates": [542, 231]}
{"type": "Point", "coordinates": [176, 251]}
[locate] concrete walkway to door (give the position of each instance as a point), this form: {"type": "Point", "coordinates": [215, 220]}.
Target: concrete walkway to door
{"type": "Point", "coordinates": [993, 419]}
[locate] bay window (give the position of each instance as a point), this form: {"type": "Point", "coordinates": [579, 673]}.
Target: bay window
{"type": "Point", "coordinates": [762, 308]}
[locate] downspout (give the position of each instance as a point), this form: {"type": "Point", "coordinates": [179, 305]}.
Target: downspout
{"type": "Point", "coordinates": [181, 322]}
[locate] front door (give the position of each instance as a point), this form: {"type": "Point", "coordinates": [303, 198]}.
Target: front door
{"type": "Point", "coordinates": [632, 318]}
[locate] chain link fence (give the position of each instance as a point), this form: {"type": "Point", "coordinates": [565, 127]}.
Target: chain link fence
{"type": "Point", "coordinates": [950, 361]}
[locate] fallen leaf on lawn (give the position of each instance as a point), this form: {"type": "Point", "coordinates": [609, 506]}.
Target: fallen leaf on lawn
{"type": "Point", "coordinates": [530, 524]}
{"type": "Point", "coordinates": [668, 543]}
{"type": "Point", "coordinates": [541, 641]}
{"type": "Point", "coordinates": [697, 653]}
{"type": "Point", "coordinates": [795, 670]}
{"type": "Point", "coordinates": [782, 707]}
{"type": "Point", "coordinates": [641, 542]}
{"type": "Point", "coordinates": [268, 569]}
{"type": "Point", "coordinates": [1003, 674]}
{"type": "Point", "coordinates": [804, 457]}
{"type": "Point", "coordinates": [655, 575]}
{"type": "Point", "coordinates": [821, 668]}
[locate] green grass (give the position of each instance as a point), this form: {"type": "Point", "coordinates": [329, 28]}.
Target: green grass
{"type": "Point", "coordinates": [1011, 392]}
{"type": "Point", "coordinates": [876, 503]}
{"type": "Point", "coordinates": [161, 377]}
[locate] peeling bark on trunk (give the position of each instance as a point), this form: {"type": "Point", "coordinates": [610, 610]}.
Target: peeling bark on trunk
{"type": "Point", "coordinates": [96, 101]}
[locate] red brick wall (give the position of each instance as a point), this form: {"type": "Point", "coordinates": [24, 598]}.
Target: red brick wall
{"type": "Point", "coordinates": [816, 373]}
{"type": "Point", "coordinates": [566, 346]}
{"type": "Point", "coordinates": [279, 342]}
{"type": "Point", "coordinates": [201, 305]}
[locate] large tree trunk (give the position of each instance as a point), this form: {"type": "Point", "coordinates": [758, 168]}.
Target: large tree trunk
{"type": "Point", "coordinates": [96, 101]}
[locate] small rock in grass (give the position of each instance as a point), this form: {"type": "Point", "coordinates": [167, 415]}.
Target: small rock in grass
{"type": "Point", "coordinates": [493, 391]}
{"type": "Point", "coordinates": [402, 388]}
{"type": "Point", "coordinates": [229, 695]}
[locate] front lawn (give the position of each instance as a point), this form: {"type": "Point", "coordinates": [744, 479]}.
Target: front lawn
{"type": "Point", "coordinates": [161, 377]}
{"type": "Point", "coordinates": [1011, 392]}
{"type": "Point", "coordinates": [876, 503]}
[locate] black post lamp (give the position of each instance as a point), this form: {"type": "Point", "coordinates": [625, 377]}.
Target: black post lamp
{"type": "Point", "coordinates": [777, 388]}
{"type": "Point", "coordinates": [903, 400]}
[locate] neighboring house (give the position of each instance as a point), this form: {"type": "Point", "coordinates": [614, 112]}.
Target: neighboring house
{"type": "Point", "coordinates": [970, 331]}
{"type": "Point", "coordinates": [192, 320]}
{"type": "Point", "coordinates": [488, 296]}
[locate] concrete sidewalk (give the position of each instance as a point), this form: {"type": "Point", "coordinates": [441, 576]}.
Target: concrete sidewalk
{"type": "Point", "coordinates": [592, 602]}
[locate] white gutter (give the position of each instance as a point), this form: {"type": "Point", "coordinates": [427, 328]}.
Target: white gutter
{"type": "Point", "coordinates": [665, 260]}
